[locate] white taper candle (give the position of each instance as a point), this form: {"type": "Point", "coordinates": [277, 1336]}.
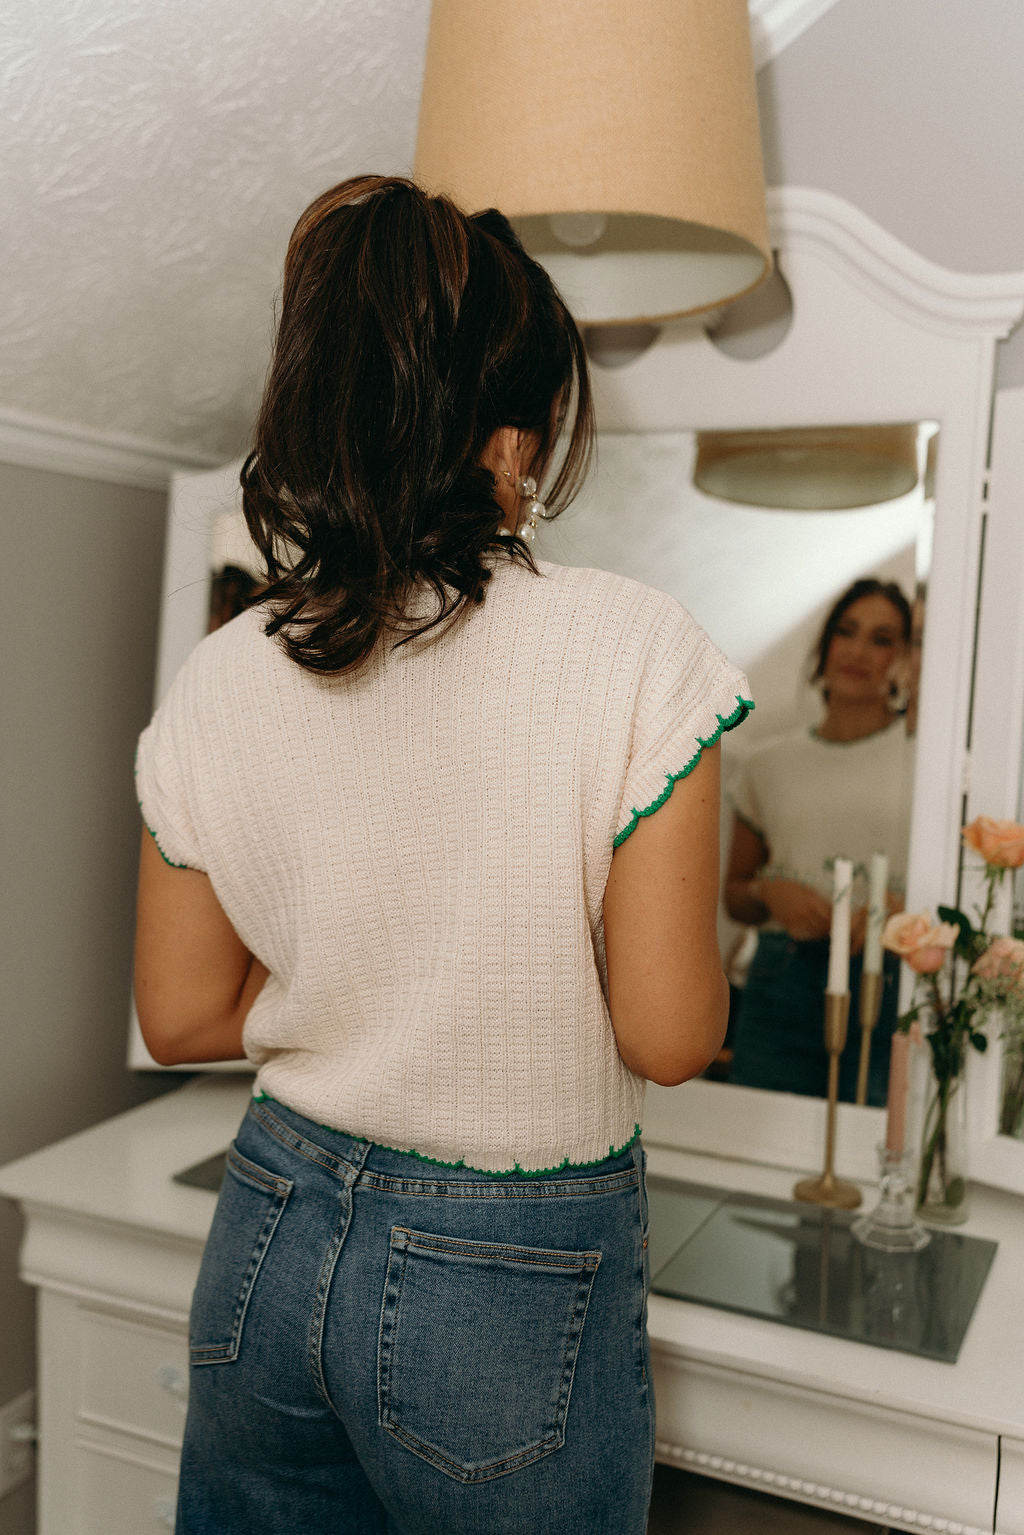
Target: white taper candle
{"type": "Point", "coordinates": [839, 944]}
{"type": "Point", "coordinates": [877, 913]}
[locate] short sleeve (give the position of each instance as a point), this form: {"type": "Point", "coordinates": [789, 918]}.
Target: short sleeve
{"type": "Point", "coordinates": [161, 784]}
{"type": "Point", "coordinates": [689, 694]}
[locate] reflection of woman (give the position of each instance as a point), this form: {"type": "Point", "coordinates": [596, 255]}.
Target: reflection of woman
{"type": "Point", "coordinates": [802, 800]}
{"type": "Point", "coordinates": [393, 791]}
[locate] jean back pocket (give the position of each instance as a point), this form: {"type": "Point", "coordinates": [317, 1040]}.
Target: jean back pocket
{"type": "Point", "coordinates": [478, 1346]}
{"type": "Point", "coordinates": [248, 1210]}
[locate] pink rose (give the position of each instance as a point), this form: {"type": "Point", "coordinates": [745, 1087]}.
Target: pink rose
{"type": "Point", "coordinates": [1000, 843]}
{"type": "Point", "coordinates": [1002, 960]}
{"type": "Point", "coordinates": [919, 941]}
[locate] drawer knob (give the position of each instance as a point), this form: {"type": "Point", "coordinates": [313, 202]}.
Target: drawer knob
{"type": "Point", "coordinates": [174, 1380]}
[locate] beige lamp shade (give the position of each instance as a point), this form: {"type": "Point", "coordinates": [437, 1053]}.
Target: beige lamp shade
{"type": "Point", "coordinates": [807, 469]}
{"type": "Point", "coordinates": [621, 137]}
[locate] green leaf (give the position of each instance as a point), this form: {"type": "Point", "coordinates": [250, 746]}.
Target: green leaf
{"type": "Point", "coordinates": [958, 918]}
{"type": "Point", "coordinates": [979, 1041]}
{"type": "Point", "coordinates": [955, 1191]}
{"type": "Point", "coordinates": [969, 941]}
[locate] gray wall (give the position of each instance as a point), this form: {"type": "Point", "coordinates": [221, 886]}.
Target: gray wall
{"type": "Point", "coordinates": [80, 600]}
{"type": "Point", "coordinates": [912, 110]}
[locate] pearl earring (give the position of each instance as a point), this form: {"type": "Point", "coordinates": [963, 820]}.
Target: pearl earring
{"type": "Point", "coordinates": [526, 488]}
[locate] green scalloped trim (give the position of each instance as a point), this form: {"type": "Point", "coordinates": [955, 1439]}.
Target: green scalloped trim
{"type": "Point", "coordinates": [739, 714]}
{"type": "Point", "coordinates": [484, 1172]}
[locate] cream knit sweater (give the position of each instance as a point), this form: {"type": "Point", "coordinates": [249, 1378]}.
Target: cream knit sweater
{"type": "Point", "coordinates": [418, 854]}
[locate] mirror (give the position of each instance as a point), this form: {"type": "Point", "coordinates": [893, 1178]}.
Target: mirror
{"type": "Point", "coordinates": [761, 580]}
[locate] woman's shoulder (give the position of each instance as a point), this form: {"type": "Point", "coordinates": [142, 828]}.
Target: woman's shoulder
{"type": "Point", "coordinates": [229, 655]}
{"type": "Point", "coordinates": [611, 602]}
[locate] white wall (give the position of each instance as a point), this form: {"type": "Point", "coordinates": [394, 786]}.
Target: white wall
{"type": "Point", "coordinates": [913, 110]}
{"type": "Point", "coordinates": [82, 564]}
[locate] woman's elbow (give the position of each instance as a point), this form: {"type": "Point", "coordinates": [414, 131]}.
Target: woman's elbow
{"type": "Point", "coordinates": [163, 1044]}
{"type": "Point", "coordinates": [680, 1047]}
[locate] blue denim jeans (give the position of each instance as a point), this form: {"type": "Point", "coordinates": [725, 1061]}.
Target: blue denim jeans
{"type": "Point", "coordinates": [380, 1344]}
{"type": "Point", "coordinates": [779, 1038]}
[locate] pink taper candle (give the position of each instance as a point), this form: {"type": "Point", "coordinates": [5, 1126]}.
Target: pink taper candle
{"type": "Point", "coordinates": [899, 1085]}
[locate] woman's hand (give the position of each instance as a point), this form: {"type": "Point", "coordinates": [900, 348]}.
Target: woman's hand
{"type": "Point", "coordinates": [803, 912]}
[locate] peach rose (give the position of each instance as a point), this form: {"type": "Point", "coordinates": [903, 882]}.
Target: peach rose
{"type": "Point", "coordinates": [1002, 960]}
{"type": "Point", "coordinates": [1000, 843]}
{"type": "Point", "coordinates": [919, 941]}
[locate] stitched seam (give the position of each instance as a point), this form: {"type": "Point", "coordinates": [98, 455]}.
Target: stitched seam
{"type": "Point", "coordinates": [230, 1349]}
{"type": "Point", "coordinates": [248, 1172]}
{"type": "Point", "coordinates": [582, 1263]}
{"type": "Point", "coordinates": [485, 1473]}
{"type": "Point", "coordinates": [573, 1342]}
{"type": "Point", "coordinates": [393, 1322]}
{"type": "Point", "coordinates": [574, 1189]}
{"type": "Point", "coordinates": [294, 1142]}
{"type": "Point", "coordinates": [318, 1317]}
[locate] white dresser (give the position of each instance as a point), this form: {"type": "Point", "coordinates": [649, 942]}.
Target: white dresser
{"type": "Point", "coordinates": [113, 1245]}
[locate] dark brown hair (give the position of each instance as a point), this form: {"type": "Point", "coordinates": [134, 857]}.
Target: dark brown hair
{"type": "Point", "coordinates": [409, 332]}
{"type": "Point", "coordinates": [866, 586]}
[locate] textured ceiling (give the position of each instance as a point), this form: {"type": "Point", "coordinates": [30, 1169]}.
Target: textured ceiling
{"type": "Point", "coordinates": [155, 156]}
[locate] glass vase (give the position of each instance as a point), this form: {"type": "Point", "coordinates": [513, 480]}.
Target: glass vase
{"type": "Point", "coordinates": [1011, 1107]}
{"type": "Point", "coordinates": [942, 1192]}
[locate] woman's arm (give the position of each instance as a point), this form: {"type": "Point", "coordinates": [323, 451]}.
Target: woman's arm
{"type": "Point", "coordinates": [667, 995]}
{"type": "Point", "coordinates": [803, 911]}
{"type": "Point", "coordinates": [743, 888]}
{"type": "Point", "coordinates": [195, 980]}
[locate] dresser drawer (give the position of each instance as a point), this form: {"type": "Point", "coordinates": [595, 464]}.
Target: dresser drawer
{"type": "Point", "coordinates": [134, 1377]}
{"type": "Point", "coordinates": [120, 1493]}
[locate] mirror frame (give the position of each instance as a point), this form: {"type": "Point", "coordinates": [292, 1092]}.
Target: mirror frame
{"type": "Point", "coordinates": [995, 762]}
{"type": "Point", "coordinates": [878, 334]}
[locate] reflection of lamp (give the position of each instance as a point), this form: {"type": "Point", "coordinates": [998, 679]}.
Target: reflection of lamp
{"type": "Point", "coordinates": [623, 140]}
{"type": "Point", "coordinates": [809, 468]}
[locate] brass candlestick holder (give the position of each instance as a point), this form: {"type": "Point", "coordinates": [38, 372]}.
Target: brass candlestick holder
{"type": "Point", "coordinates": [828, 1190]}
{"type": "Point", "coordinates": [870, 1007]}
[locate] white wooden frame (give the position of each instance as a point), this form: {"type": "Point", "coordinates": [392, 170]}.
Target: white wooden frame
{"type": "Point", "coordinates": [878, 334]}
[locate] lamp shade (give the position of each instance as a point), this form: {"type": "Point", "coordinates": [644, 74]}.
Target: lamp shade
{"type": "Point", "coordinates": [632, 127]}
{"type": "Point", "coordinates": [804, 469]}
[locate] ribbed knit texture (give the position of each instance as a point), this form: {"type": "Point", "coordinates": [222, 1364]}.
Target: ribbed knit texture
{"type": "Point", "coordinates": [418, 853]}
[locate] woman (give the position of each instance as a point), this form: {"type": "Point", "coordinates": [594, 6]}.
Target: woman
{"type": "Point", "coordinates": [841, 790]}
{"type": "Point", "coordinates": [381, 810]}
